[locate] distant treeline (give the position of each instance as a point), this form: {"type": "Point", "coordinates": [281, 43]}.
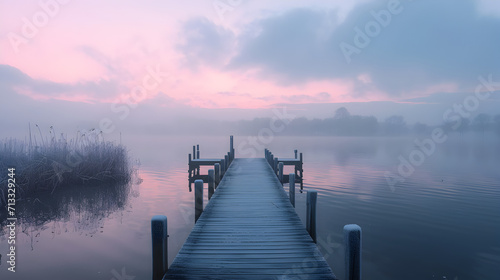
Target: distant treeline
{"type": "Point", "coordinates": [344, 124]}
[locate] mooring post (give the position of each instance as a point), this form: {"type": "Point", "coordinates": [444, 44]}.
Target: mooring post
{"type": "Point", "coordinates": [198, 199]}
{"type": "Point", "coordinates": [275, 166]}
{"type": "Point", "coordinates": [280, 172]}
{"type": "Point", "coordinates": [295, 151]}
{"type": "Point", "coordinates": [194, 152]}
{"type": "Point", "coordinates": [291, 188]}
{"type": "Point", "coordinates": [217, 174]}
{"type": "Point", "coordinates": [198, 151]}
{"type": "Point", "coordinates": [211, 181]}
{"type": "Point", "coordinates": [189, 165]}
{"type": "Point", "coordinates": [159, 237]}
{"type": "Point", "coordinates": [222, 168]}
{"type": "Point", "coordinates": [226, 157]}
{"type": "Point", "coordinates": [231, 149]}
{"type": "Point", "coordinates": [312, 196]}
{"type": "Point", "coordinates": [352, 244]}
{"type": "Point", "coordinates": [301, 173]}
{"type": "Point", "coordinates": [265, 153]}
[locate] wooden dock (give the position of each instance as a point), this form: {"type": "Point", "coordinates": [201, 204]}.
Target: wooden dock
{"type": "Point", "coordinates": [249, 230]}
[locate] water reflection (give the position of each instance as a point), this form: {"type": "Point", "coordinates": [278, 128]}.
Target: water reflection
{"type": "Point", "coordinates": [442, 221]}
{"type": "Point", "coordinates": [80, 209]}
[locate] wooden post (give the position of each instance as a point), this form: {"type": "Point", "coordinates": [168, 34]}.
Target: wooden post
{"type": "Point", "coordinates": [231, 149]}
{"type": "Point", "coordinates": [198, 199]}
{"type": "Point", "coordinates": [312, 196]}
{"type": "Point", "coordinates": [301, 173]}
{"type": "Point", "coordinates": [275, 166]}
{"type": "Point", "coordinates": [189, 172]}
{"type": "Point", "coordinates": [217, 174]}
{"type": "Point", "coordinates": [198, 157]}
{"type": "Point", "coordinates": [211, 181]}
{"type": "Point", "coordinates": [222, 168]}
{"type": "Point", "coordinates": [159, 236]}
{"type": "Point", "coordinates": [194, 152]}
{"type": "Point", "coordinates": [291, 188]}
{"type": "Point", "coordinates": [280, 172]}
{"type": "Point", "coordinates": [226, 157]}
{"type": "Point", "coordinates": [189, 165]}
{"type": "Point", "coordinates": [352, 244]}
{"type": "Point", "coordinates": [295, 151]}
{"type": "Point", "coordinates": [271, 159]}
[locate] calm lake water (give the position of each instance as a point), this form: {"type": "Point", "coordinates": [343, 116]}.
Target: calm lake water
{"type": "Point", "coordinates": [442, 222]}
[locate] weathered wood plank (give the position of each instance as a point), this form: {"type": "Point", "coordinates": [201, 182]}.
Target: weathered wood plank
{"type": "Point", "coordinates": [249, 230]}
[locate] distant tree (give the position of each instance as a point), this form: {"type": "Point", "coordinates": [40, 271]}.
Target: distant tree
{"type": "Point", "coordinates": [460, 125]}
{"type": "Point", "coordinates": [420, 128]}
{"type": "Point", "coordinates": [482, 121]}
{"type": "Point", "coordinates": [300, 126]}
{"type": "Point", "coordinates": [395, 124]}
{"type": "Point", "coordinates": [341, 114]}
{"type": "Point", "coordinates": [464, 125]}
{"type": "Point", "coordinates": [363, 125]}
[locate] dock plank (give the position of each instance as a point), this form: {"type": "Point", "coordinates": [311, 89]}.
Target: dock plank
{"type": "Point", "coordinates": [249, 230]}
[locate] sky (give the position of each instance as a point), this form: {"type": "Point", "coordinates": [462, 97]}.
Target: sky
{"type": "Point", "coordinates": [207, 58]}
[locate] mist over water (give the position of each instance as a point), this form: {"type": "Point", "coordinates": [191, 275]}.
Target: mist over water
{"type": "Point", "coordinates": [442, 221]}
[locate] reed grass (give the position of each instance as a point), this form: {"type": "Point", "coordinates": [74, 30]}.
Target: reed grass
{"type": "Point", "coordinates": [46, 163]}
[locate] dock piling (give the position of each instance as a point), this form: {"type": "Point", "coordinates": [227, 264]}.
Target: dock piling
{"type": "Point", "coordinates": [217, 174]}
{"type": "Point", "coordinates": [197, 151]}
{"type": "Point", "coordinates": [194, 152]}
{"type": "Point", "coordinates": [189, 165]}
{"type": "Point", "coordinates": [231, 147]}
{"type": "Point", "coordinates": [275, 166]}
{"type": "Point", "coordinates": [222, 168]}
{"type": "Point", "coordinates": [301, 173]}
{"type": "Point", "coordinates": [291, 188]}
{"type": "Point", "coordinates": [312, 196]}
{"type": "Point", "coordinates": [211, 181]}
{"type": "Point", "coordinates": [280, 172]}
{"type": "Point", "coordinates": [159, 237]}
{"type": "Point", "coordinates": [352, 244]}
{"type": "Point", "coordinates": [198, 199]}
{"type": "Point", "coordinates": [295, 152]}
